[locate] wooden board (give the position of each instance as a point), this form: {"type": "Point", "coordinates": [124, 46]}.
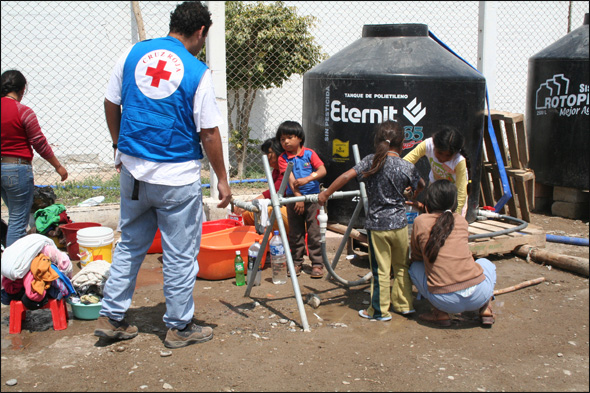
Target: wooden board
{"type": "Point", "coordinates": [503, 244]}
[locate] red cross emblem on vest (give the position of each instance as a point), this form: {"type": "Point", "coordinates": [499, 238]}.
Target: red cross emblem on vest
{"type": "Point", "coordinates": [158, 73]}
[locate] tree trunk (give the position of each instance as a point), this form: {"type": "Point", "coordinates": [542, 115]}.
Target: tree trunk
{"type": "Point", "coordinates": [244, 109]}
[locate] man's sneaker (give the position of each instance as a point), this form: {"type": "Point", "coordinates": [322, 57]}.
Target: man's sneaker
{"type": "Point", "coordinates": [191, 334]}
{"type": "Point", "coordinates": [116, 330]}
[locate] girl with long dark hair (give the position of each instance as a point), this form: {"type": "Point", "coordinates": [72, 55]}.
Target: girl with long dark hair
{"type": "Point", "coordinates": [443, 269]}
{"type": "Point", "coordinates": [386, 176]}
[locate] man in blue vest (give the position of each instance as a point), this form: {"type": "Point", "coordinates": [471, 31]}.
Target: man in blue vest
{"type": "Point", "coordinates": [160, 107]}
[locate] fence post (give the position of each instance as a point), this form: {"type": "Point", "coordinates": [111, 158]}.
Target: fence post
{"type": "Point", "coordinates": [216, 61]}
{"type": "Point", "coordinates": [486, 46]}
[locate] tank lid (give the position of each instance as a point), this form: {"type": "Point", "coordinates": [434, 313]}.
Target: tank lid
{"type": "Point", "coordinates": [397, 30]}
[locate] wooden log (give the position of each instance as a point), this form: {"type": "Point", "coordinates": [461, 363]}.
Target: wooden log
{"type": "Point", "coordinates": [519, 286]}
{"type": "Point", "coordinates": [565, 262]}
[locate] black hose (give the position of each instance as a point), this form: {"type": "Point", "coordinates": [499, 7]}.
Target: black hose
{"type": "Point", "coordinates": [361, 281]}
{"type": "Point", "coordinates": [523, 224]}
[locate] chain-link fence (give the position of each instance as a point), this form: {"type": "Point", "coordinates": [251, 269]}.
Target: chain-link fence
{"type": "Point", "coordinates": [67, 50]}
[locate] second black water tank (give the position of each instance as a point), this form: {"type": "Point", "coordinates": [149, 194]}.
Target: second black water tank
{"type": "Point", "coordinates": [394, 72]}
{"type": "Point", "coordinates": [558, 102]}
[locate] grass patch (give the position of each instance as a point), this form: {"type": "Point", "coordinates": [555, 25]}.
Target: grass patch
{"type": "Point", "coordinates": [71, 193]}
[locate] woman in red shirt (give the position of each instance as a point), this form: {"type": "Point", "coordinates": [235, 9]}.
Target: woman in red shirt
{"type": "Point", "coordinates": [21, 134]}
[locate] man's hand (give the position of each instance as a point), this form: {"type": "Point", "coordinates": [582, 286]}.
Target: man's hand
{"type": "Point", "coordinates": [225, 195]}
{"type": "Point", "coordinates": [211, 141]}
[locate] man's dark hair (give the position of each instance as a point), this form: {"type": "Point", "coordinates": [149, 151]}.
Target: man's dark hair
{"type": "Point", "coordinates": [189, 17]}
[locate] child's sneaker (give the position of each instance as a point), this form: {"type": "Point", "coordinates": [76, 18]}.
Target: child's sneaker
{"type": "Point", "coordinates": [363, 313]}
{"type": "Point", "coordinates": [115, 330]}
{"type": "Point", "coordinates": [191, 334]}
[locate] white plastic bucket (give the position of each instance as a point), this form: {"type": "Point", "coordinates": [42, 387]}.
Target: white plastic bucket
{"type": "Point", "coordinates": [95, 243]}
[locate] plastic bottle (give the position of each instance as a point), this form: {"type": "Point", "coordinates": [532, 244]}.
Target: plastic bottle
{"type": "Point", "coordinates": [239, 267]}
{"type": "Point", "coordinates": [252, 255]}
{"type": "Point", "coordinates": [278, 260]}
{"type": "Point", "coordinates": [411, 214]}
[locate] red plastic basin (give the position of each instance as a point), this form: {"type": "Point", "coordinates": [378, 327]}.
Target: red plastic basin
{"type": "Point", "coordinates": [70, 231]}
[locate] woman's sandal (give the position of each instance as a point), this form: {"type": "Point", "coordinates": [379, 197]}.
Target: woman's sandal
{"type": "Point", "coordinates": [487, 314]}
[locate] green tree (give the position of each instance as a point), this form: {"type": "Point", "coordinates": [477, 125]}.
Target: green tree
{"type": "Point", "coordinates": [266, 43]}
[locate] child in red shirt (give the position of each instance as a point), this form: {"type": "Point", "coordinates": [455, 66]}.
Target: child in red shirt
{"type": "Point", "coordinates": [308, 168]}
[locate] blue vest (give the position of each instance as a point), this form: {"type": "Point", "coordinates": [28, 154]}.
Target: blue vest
{"type": "Point", "coordinates": [302, 168]}
{"type": "Point", "coordinates": [160, 78]}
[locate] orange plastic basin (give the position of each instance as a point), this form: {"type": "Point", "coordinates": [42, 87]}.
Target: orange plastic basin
{"type": "Point", "coordinates": [218, 250]}
{"type": "Point", "coordinates": [208, 227]}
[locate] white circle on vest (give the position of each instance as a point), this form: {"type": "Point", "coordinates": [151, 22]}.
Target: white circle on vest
{"type": "Point", "coordinates": [159, 73]}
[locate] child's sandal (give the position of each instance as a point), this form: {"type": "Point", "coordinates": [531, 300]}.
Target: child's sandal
{"type": "Point", "coordinates": [487, 314]}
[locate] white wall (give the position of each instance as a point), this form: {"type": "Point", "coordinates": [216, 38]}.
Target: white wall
{"type": "Point", "coordinates": [67, 49]}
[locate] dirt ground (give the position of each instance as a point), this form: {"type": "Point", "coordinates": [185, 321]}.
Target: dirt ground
{"type": "Point", "coordinates": [538, 343]}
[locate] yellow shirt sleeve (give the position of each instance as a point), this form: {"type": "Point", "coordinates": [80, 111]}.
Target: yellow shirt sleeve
{"type": "Point", "coordinates": [418, 152]}
{"type": "Point", "coordinates": [461, 183]}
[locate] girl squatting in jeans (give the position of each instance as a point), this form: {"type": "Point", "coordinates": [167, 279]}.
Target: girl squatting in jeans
{"type": "Point", "coordinates": [386, 176]}
{"type": "Point", "coordinates": [443, 269]}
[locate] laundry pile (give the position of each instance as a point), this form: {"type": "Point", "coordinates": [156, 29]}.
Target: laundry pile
{"type": "Point", "coordinates": [34, 270]}
{"type": "Point", "coordinates": [89, 282]}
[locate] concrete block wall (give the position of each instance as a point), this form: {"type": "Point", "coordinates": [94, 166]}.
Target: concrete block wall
{"type": "Point", "coordinates": [108, 213]}
{"type": "Point", "coordinates": [562, 201]}
{"type": "Point", "coordinates": [570, 203]}
{"type": "Point", "coordinates": [543, 197]}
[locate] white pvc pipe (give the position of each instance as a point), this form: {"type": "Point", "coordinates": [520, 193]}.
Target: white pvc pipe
{"type": "Point", "coordinates": [487, 46]}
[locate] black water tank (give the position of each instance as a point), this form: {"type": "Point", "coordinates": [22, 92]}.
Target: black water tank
{"type": "Point", "coordinates": [557, 111]}
{"type": "Point", "coordinates": [393, 72]}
